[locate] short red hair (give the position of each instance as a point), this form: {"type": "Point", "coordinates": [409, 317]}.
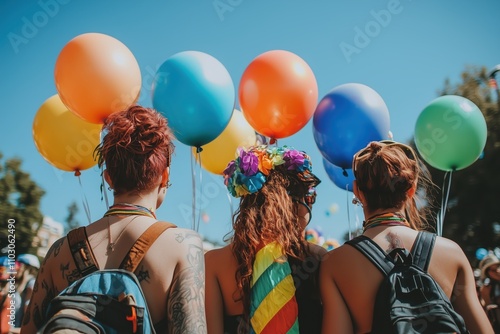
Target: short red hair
{"type": "Point", "coordinates": [136, 148]}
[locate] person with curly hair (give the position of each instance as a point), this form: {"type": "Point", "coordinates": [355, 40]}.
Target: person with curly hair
{"type": "Point", "coordinates": [389, 185]}
{"type": "Point", "coordinates": [136, 151]}
{"type": "Point", "coordinates": [265, 279]}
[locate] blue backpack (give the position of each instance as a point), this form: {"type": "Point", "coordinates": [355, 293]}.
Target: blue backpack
{"type": "Point", "coordinates": [409, 300]}
{"type": "Point", "coordinates": [103, 301]}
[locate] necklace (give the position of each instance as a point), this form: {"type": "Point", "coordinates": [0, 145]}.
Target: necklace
{"type": "Point", "coordinates": [387, 219]}
{"type": "Point", "coordinates": [125, 209]}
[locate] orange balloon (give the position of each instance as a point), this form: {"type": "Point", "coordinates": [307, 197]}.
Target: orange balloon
{"type": "Point", "coordinates": [64, 139]}
{"type": "Point", "coordinates": [97, 75]}
{"type": "Point", "coordinates": [278, 93]}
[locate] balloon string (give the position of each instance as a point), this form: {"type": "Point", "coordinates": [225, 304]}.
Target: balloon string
{"type": "Point", "coordinates": [193, 188]}
{"type": "Point", "coordinates": [198, 153]}
{"type": "Point", "coordinates": [444, 200]}
{"type": "Point", "coordinates": [230, 201]}
{"type": "Point", "coordinates": [103, 188]}
{"type": "Point", "coordinates": [85, 202]}
{"type": "Point", "coordinates": [348, 210]}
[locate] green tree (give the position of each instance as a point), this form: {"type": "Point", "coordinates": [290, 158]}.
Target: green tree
{"type": "Point", "coordinates": [71, 221]}
{"type": "Point", "coordinates": [20, 202]}
{"type": "Point", "coordinates": [472, 218]}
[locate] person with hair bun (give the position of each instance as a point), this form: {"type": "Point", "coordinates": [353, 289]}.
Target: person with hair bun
{"type": "Point", "coordinates": [387, 177]}
{"type": "Point", "coordinates": [136, 153]}
{"type": "Point", "coordinates": [266, 279]}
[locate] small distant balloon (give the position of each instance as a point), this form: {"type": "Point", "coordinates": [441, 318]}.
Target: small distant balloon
{"type": "Point", "coordinates": [205, 217]}
{"type": "Point", "coordinates": [481, 253]}
{"type": "Point", "coordinates": [332, 209]}
{"type": "Point", "coordinates": [330, 244]}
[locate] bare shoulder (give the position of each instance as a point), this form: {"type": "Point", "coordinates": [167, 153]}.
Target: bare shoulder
{"type": "Point", "coordinates": [218, 256]}
{"type": "Point", "coordinates": [449, 249]}
{"type": "Point", "coordinates": [182, 236]}
{"type": "Point", "coordinates": [330, 260]}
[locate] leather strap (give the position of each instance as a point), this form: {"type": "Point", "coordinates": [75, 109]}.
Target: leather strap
{"type": "Point", "coordinates": [84, 257]}
{"type": "Point", "coordinates": [141, 246]}
{"type": "Point", "coordinates": [81, 251]}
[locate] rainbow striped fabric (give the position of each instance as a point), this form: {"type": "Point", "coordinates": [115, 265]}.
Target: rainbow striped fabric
{"type": "Point", "coordinates": [273, 306]}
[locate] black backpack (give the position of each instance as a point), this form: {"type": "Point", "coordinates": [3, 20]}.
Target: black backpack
{"type": "Point", "coordinates": [409, 300]}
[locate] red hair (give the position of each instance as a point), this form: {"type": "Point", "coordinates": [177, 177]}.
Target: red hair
{"type": "Point", "coordinates": [136, 148]}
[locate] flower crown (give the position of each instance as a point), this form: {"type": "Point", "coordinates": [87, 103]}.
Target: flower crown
{"type": "Point", "coordinates": [248, 172]}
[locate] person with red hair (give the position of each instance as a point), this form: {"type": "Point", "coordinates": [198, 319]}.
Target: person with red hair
{"type": "Point", "coordinates": [265, 280]}
{"type": "Point", "coordinates": [136, 151]}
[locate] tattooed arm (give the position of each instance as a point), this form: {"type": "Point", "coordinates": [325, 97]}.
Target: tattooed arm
{"type": "Point", "coordinates": [186, 303]}
{"type": "Point", "coordinates": [43, 292]}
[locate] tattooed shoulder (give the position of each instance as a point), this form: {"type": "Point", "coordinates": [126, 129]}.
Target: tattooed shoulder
{"type": "Point", "coordinates": [186, 306]}
{"type": "Point", "coordinates": [54, 249]}
{"type": "Point", "coordinates": [142, 274]}
{"type": "Point", "coordinates": [394, 241]}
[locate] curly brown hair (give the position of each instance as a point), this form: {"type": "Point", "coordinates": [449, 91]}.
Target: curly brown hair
{"type": "Point", "coordinates": [385, 172]}
{"type": "Point", "coordinates": [265, 216]}
{"type": "Point", "coordinates": [136, 148]}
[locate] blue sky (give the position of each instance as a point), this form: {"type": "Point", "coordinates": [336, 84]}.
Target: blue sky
{"type": "Point", "coordinates": [405, 57]}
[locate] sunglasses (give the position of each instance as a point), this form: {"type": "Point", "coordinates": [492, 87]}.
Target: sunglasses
{"type": "Point", "coordinates": [408, 151]}
{"type": "Point", "coordinates": [309, 199]}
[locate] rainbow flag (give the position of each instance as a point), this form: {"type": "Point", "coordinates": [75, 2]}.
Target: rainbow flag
{"type": "Point", "coordinates": [273, 307]}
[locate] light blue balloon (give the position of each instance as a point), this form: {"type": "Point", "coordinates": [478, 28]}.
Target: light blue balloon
{"type": "Point", "coordinates": [347, 119]}
{"type": "Point", "coordinates": [481, 253]}
{"type": "Point", "coordinates": [195, 92]}
{"type": "Point", "coordinates": [338, 175]}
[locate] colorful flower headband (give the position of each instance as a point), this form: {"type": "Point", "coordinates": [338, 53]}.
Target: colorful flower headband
{"type": "Point", "coordinates": [248, 172]}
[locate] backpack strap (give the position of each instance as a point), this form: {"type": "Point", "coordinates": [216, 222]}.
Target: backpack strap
{"type": "Point", "coordinates": [84, 257]}
{"type": "Point", "coordinates": [373, 252]}
{"type": "Point", "coordinates": [141, 246]}
{"type": "Point", "coordinates": [422, 249]}
{"type": "Point", "coordinates": [81, 251]}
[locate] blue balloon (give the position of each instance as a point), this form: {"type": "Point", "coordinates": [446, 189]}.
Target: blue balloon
{"type": "Point", "coordinates": [195, 92]}
{"type": "Point", "coordinates": [347, 119]}
{"type": "Point", "coordinates": [481, 253]}
{"type": "Point", "coordinates": [338, 175]}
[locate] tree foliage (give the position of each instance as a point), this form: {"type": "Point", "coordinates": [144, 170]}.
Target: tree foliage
{"type": "Point", "coordinates": [19, 200]}
{"type": "Point", "coordinates": [71, 221]}
{"type": "Point", "coordinates": [472, 218]}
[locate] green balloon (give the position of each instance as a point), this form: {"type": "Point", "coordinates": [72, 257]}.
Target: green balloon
{"type": "Point", "coordinates": [450, 133]}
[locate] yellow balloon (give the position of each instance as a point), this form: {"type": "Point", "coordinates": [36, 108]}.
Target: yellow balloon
{"type": "Point", "coordinates": [64, 139]}
{"type": "Point", "coordinates": [216, 155]}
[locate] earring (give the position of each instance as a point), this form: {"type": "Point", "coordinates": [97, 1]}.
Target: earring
{"type": "Point", "coordinates": [356, 201]}
{"type": "Point", "coordinates": [109, 188]}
